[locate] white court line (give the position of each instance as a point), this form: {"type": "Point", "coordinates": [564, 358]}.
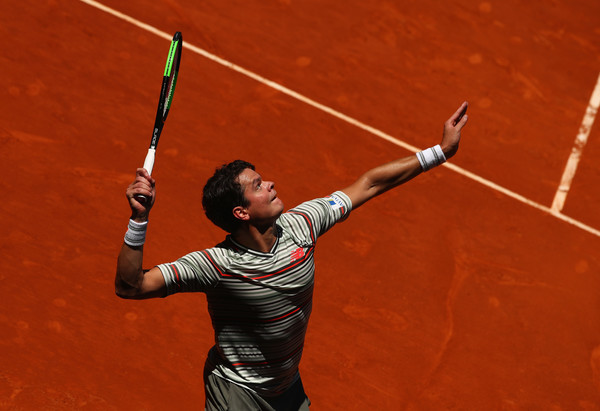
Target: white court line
{"type": "Point", "coordinates": [343, 117]}
{"type": "Point", "coordinates": [580, 141]}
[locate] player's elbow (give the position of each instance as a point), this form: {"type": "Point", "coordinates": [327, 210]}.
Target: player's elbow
{"type": "Point", "coordinates": [125, 291]}
{"type": "Point", "coordinates": [122, 294]}
{"type": "Point", "coordinates": [129, 292]}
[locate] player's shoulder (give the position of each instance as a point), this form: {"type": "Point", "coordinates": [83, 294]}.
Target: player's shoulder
{"type": "Point", "coordinates": [224, 250]}
{"type": "Point", "coordinates": [301, 214]}
{"type": "Point", "coordinates": [300, 220]}
{"type": "Point", "coordinates": [324, 205]}
{"type": "Point", "coordinates": [218, 255]}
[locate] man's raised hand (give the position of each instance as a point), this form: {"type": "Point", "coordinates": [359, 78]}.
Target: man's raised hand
{"type": "Point", "coordinates": [452, 128]}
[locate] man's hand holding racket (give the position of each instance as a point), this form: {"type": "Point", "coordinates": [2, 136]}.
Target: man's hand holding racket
{"type": "Point", "coordinates": [143, 185]}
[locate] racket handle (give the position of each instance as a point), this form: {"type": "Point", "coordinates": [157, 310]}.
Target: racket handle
{"type": "Point", "coordinates": [149, 161]}
{"type": "Point", "coordinates": [148, 165]}
{"type": "Point", "coordinates": [142, 199]}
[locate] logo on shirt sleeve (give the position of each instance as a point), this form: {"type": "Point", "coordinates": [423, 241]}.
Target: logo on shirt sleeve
{"type": "Point", "coordinates": [335, 202]}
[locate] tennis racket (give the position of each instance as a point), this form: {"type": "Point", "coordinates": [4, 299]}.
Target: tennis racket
{"type": "Point", "coordinates": [164, 103]}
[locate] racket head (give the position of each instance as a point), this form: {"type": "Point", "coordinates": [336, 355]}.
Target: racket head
{"type": "Point", "coordinates": [168, 87]}
{"type": "Point", "coordinates": [171, 72]}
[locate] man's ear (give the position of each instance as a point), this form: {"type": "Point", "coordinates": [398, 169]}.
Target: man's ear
{"type": "Point", "coordinates": [241, 213]}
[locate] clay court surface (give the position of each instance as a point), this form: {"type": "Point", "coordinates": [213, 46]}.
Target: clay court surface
{"type": "Point", "coordinates": [443, 294]}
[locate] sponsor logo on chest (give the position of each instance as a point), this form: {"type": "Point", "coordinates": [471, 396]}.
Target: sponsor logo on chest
{"type": "Point", "coordinates": [297, 254]}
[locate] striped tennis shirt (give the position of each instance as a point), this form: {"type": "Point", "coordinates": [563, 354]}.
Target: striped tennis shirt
{"type": "Point", "coordinates": [260, 303]}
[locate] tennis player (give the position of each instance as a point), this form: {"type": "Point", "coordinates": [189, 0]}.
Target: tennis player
{"type": "Point", "coordinates": [259, 280]}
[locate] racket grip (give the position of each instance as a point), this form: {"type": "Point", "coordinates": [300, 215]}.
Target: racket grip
{"type": "Point", "coordinates": [142, 199]}
{"type": "Point", "coordinates": [149, 161]}
{"type": "Point", "coordinates": [148, 165]}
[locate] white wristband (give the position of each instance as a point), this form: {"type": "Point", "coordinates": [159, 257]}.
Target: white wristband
{"type": "Point", "coordinates": [431, 157]}
{"type": "Point", "coordinates": [136, 233]}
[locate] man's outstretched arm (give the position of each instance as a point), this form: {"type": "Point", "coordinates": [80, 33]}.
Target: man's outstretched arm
{"type": "Point", "coordinates": [131, 281]}
{"type": "Point", "coordinates": [387, 176]}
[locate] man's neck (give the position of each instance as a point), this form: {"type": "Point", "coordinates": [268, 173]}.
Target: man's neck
{"type": "Point", "coordinates": [255, 238]}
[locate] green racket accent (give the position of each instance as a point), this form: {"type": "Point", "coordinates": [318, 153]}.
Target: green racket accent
{"type": "Point", "coordinates": [170, 59]}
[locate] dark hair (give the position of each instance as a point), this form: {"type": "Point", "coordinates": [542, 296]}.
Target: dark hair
{"type": "Point", "coordinates": [223, 192]}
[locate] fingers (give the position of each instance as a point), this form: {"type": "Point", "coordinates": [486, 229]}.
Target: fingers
{"type": "Point", "coordinates": [461, 123]}
{"type": "Point", "coordinates": [144, 179]}
{"type": "Point", "coordinates": [142, 172]}
{"type": "Point", "coordinates": [142, 185]}
{"type": "Point", "coordinates": [452, 128]}
{"type": "Point", "coordinates": [459, 118]}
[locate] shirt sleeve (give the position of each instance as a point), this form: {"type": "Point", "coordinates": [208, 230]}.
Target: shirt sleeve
{"type": "Point", "coordinates": [191, 273]}
{"type": "Point", "coordinates": [323, 213]}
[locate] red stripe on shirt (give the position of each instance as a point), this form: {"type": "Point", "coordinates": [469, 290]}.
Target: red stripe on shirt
{"type": "Point", "coordinates": [312, 233]}
{"type": "Point", "coordinates": [306, 255]}
{"type": "Point", "coordinates": [177, 278]}
{"type": "Point", "coordinates": [298, 262]}
{"type": "Point", "coordinates": [288, 314]}
{"type": "Point", "coordinates": [214, 264]}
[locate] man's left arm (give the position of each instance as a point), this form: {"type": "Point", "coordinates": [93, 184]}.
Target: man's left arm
{"type": "Point", "coordinates": [387, 176]}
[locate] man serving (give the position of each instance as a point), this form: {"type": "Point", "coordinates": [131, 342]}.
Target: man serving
{"type": "Point", "coordinates": [259, 280]}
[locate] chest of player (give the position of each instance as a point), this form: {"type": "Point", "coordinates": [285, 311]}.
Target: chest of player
{"type": "Point", "coordinates": [273, 294]}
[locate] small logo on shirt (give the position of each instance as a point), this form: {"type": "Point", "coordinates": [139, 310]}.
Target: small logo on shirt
{"type": "Point", "coordinates": [297, 254]}
{"type": "Point", "coordinates": [335, 202]}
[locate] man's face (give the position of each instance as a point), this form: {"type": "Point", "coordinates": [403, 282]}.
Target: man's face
{"type": "Point", "coordinates": [265, 206]}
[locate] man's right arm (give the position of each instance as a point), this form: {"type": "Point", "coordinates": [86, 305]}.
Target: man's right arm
{"type": "Point", "coordinates": [131, 280]}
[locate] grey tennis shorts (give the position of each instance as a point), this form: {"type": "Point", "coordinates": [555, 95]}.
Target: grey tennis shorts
{"type": "Point", "coordinates": [223, 395]}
